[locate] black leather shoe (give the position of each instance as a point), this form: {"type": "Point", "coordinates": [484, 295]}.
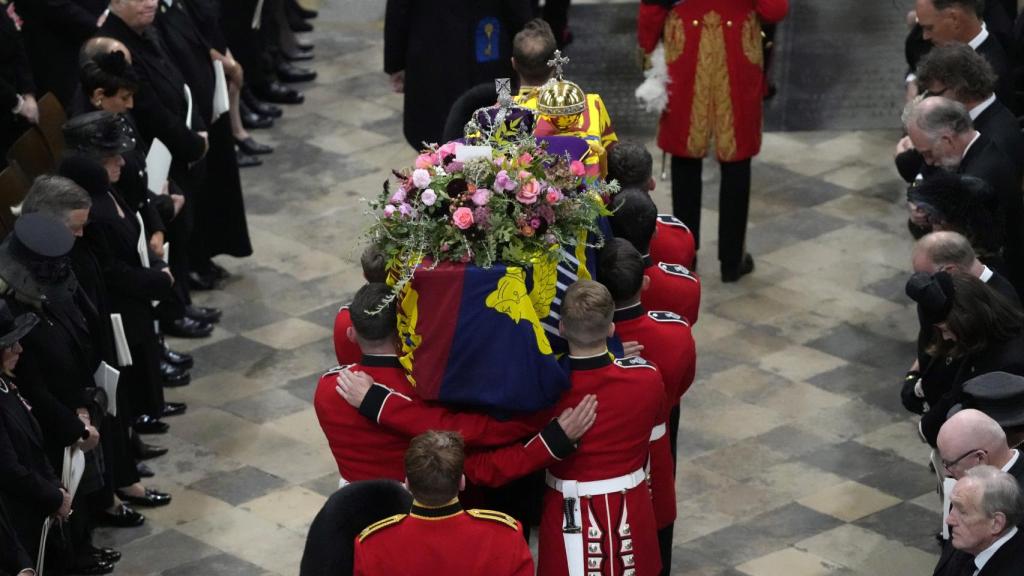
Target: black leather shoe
{"type": "Point", "coordinates": [174, 409]}
{"type": "Point", "coordinates": [204, 313]}
{"type": "Point", "coordinates": [146, 424]}
{"type": "Point", "coordinates": [253, 121]}
{"type": "Point", "coordinates": [143, 471]}
{"type": "Point", "coordinates": [300, 25]}
{"type": "Point", "coordinates": [124, 518]}
{"type": "Point", "coordinates": [252, 147]}
{"type": "Point", "coordinates": [298, 55]}
{"type": "Point", "coordinates": [308, 46]}
{"type": "Point", "coordinates": [177, 359]}
{"type": "Point", "coordinates": [244, 160]}
{"type": "Point", "coordinates": [91, 565]}
{"type": "Point", "coordinates": [290, 73]}
{"type": "Point", "coordinates": [105, 554]}
{"type": "Point", "coordinates": [261, 108]}
{"type": "Point", "coordinates": [295, 8]}
{"type": "Point", "coordinates": [279, 94]}
{"type": "Point", "coordinates": [174, 376]}
{"type": "Point", "coordinates": [145, 451]}
{"type": "Point", "coordinates": [152, 498]}
{"type": "Point", "coordinates": [732, 273]}
{"type": "Point", "coordinates": [219, 272]}
{"type": "Point", "coordinates": [200, 282]}
{"type": "Point", "coordinates": [186, 327]}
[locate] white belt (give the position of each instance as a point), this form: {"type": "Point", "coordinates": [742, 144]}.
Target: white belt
{"type": "Point", "coordinates": [572, 491]}
{"type": "Point", "coordinates": [658, 432]}
{"type": "Point", "coordinates": [342, 482]}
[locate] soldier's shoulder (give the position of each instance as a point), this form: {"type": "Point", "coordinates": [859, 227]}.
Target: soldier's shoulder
{"type": "Point", "coordinates": [380, 525]}
{"type": "Point", "coordinates": [677, 270]}
{"type": "Point", "coordinates": [494, 516]}
{"type": "Point", "coordinates": [670, 220]}
{"type": "Point", "coordinates": [666, 317]}
{"type": "Point", "coordinates": [634, 362]}
{"type": "Point", "coordinates": [337, 369]}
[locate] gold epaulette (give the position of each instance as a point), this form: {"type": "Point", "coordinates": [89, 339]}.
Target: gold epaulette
{"type": "Point", "coordinates": [494, 516]}
{"type": "Point", "coordinates": [380, 524]}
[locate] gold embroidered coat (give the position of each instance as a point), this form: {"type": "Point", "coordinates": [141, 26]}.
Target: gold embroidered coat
{"type": "Point", "coordinates": [715, 62]}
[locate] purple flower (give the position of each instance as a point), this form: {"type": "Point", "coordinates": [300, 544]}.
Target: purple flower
{"type": "Point", "coordinates": [482, 217]}
{"type": "Point", "coordinates": [420, 178]}
{"type": "Point", "coordinates": [482, 196]}
{"type": "Point", "coordinates": [405, 209]}
{"type": "Point", "coordinates": [398, 197]}
{"type": "Point", "coordinates": [389, 211]}
{"type": "Point", "coordinates": [534, 222]}
{"type": "Point", "coordinates": [503, 182]}
{"type": "Point", "coordinates": [428, 197]}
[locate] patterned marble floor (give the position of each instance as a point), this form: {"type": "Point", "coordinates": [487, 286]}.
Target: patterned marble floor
{"type": "Point", "coordinates": [797, 458]}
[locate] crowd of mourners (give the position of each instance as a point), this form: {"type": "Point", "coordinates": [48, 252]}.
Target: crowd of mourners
{"type": "Point", "coordinates": [103, 257]}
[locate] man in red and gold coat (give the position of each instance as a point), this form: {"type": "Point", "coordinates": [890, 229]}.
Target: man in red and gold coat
{"type": "Point", "coordinates": [597, 516]}
{"type": "Point", "coordinates": [715, 64]}
{"type": "Point", "coordinates": [437, 536]}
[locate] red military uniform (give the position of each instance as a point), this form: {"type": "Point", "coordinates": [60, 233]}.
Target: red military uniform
{"type": "Point", "coordinates": [673, 287]}
{"type": "Point", "coordinates": [345, 350]}
{"type": "Point", "coordinates": [366, 451]}
{"type": "Point", "coordinates": [608, 526]}
{"type": "Point", "coordinates": [673, 242]}
{"type": "Point", "coordinates": [716, 66]}
{"type": "Point", "coordinates": [443, 540]}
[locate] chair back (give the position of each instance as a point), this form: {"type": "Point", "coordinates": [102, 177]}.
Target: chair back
{"type": "Point", "coordinates": [31, 154]}
{"type": "Point", "coordinates": [51, 118]}
{"type": "Point", "coordinates": [13, 188]}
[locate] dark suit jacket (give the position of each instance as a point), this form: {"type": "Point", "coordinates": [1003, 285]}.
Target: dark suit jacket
{"type": "Point", "coordinates": [13, 557]}
{"type": "Point", "coordinates": [28, 485]}
{"type": "Point", "coordinates": [15, 79]}
{"type": "Point", "coordinates": [1008, 560]}
{"type": "Point", "coordinates": [191, 54]}
{"type": "Point", "coordinates": [54, 30]}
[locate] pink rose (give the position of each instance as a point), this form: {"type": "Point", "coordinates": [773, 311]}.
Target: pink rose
{"type": "Point", "coordinates": [405, 210]}
{"type": "Point", "coordinates": [420, 178]}
{"type": "Point", "coordinates": [553, 196]}
{"type": "Point", "coordinates": [389, 211]}
{"type": "Point", "coordinates": [525, 159]}
{"type": "Point", "coordinates": [428, 197]}
{"type": "Point", "coordinates": [482, 196]}
{"type": "Point", "coordinates": [503, 182]}
{"type": "Point", "coordinates": [524, 175]}
{"type": "Point", "coordinates": [462, 218]}
{"type": "Point", "coordinates": [528, 192]}
{"type": "Point", "coordinates": [448, 149]}
{"type": "Point", "coordinates": [577, 168]}
{"type": "Point", "coordinates": [398, 197]}
{"type": "Point", "coordinates": [426, 160]}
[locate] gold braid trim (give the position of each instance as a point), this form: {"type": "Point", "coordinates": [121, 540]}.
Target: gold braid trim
{"type": "Point", "coordinates": [752, 47]}
{"type": "Point", "coordinates": [712, 95]}
{"type": "Point", "coordinates": [674, 37]}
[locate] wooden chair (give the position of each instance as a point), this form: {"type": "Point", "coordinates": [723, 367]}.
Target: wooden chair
{"type": "Point", "coordinates": [13, 188]}
{"type": "Point", "coordinates": [51, 118]}
{"type": "Point", "coordinates": [31, 154]}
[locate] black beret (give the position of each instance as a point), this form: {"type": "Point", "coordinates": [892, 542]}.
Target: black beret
{"type": "Point", "coordinates": [998, 394]}
{"type": "Point", "coordinates": [934, 295]}
{"type": "Point", "coordinates": [43, 236]}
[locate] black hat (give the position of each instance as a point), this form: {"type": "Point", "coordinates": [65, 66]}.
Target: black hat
{"type": "Point", "coordinates": [14, 328]}
{"type": "Point", "coordinates": [934, 295]}
{"type": "Point", "coordinates": [87, 173]}
{"type": "Point", "coordinates": [33, 259]}
{"type": "Point", "coordinates": [98, 134]}
{"type": "Point", "coordinates": [998, 394]}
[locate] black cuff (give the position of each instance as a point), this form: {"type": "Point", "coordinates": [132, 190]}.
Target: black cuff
{"type": "Point", "coordinates": [373, 402]}
{"type": "Point", "coordinates": [557, 442]}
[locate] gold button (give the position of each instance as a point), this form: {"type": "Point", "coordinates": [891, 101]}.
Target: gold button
{"type": "Point", "coordinates": [728, 23]}
{"type": "Point", "coordinates": [696, 23]}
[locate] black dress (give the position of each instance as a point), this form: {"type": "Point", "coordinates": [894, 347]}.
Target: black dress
{"type": "Point", "coordinates": [15, 79]}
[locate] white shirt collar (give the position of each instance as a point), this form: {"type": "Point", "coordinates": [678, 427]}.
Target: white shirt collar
{"type": "Point", "coordinates": [1011, 461]}
{"type": "Point", "coordinates": [971, 143]}
{"type": "Point", "coordinates": [982, 558]}
{"type": "Point", "coordinates": [986, 274]}
{"type": "Point", "coordinates": [977, 110]}
{"type": "Point", "coordinates": [980, 38]}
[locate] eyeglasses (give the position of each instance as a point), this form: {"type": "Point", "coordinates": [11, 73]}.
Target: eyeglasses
{"type": "Point", "coordinates": [928, 93]}
{"type": "Point", "coordinates": [949, 465]}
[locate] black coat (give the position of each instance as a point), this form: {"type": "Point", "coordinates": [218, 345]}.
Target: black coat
{"type": "Point", "coordinates": [998, 357]}
{"type": "Point", "coordinates": [444, 49]}
{"type": "Point", "coordinates": [15, 79]}
{"type": "Point", "coordinates": [13, 557]}
{"type": "Point", "coordinates": [246, 44]}
{"type": "Point", "coordinates": [28, 485]}
{"type": "Point", "coordinates": [54, 31]}
{"type": "Point", "coordinates": [993, 51]}
{"type": "Point", "coordinates": [1007, 561]}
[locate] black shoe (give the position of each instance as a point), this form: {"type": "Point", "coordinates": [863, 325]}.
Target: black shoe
{"type": "Point", "coordinates": [244, 160]}
{"type": "Point", "coordinates": [279, 94]}
{"type": "Point", "coordinates": [173, 409]}
{"type": "Point", "coordinates": [301, 45]}
{"type": "Point", "coordinates": [203, 313]}
{"type": "Point", "coordinates": [145, 451]}
{"type": "Point", "coordinates": [143, 471]}
{"type": "Point", "coordinates": [262, 108]}
{"type": "Point", "coordinates": [91, 565]}
{"type": "Point", "coordinates": [254, 121]}
{"type": "Point", "coordinates": [300, 25]}
{"type": "Point", "coordinates": [146, 424]}
{"type": "Point", "coordinates": [732, 273]}
{"type": "Point", "coordinates": [295, 8]}
{"type": "Point", "coordinates": [177, 359]}
{"type": "Point", "coordinates": [105, 554]}
{"type": "Point", "coordinates": [125, 518]}
{"type": "Point", "coordinates": [252, 147]}
{"type": "Point", "coordinates": [219, 272]}
{"type": "Point", "coordinates": [152, 498]}
{"type": "Point", "coordinates": [174, 376]}
{"type": "Point", "coordinates": [186, 327]}
{"type": "Point", "coordinates": [298, 55]}
{"type": "Point", "coordinates": [200, 282]}
{"type": "Point", "coordinates": [290, 73]}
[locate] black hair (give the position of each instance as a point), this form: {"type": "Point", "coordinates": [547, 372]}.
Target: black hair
{"type": "Point", "coordinates": [621, 269]}
{"type": "Point", "coordinates": [371, 321]}
{"type": "Point", "coordinates": [635, 218]}
{"type": "Point", "coordinates": [631, 164]}
{"type": "Point", "coordinates": [110, 72]}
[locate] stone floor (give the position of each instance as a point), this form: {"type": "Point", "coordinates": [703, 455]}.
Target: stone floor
{"type": "Point", "coordinates": [797, 458]}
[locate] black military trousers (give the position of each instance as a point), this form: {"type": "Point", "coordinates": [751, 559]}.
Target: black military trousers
{"type": "Point", "coordinates": [733, 204]}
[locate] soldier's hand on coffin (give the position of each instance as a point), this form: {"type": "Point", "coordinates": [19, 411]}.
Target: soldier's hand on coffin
{"type": "Point", "coordinates": [576, 421]}
{"type": "Point", "coordinates": [632, 348]}
{"type": "Point", "coordinates": [353, 386]}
